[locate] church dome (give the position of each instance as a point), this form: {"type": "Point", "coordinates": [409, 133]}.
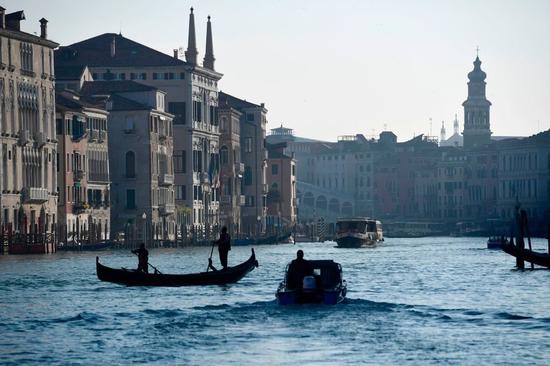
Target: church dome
{"type": "Point", "coordinates": [477, 74]}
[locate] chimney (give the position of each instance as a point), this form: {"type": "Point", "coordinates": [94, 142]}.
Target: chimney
{"type": "Point", "coordinates": [43, 28]}
{"type": "Point", "coordinates": [113, 47]}
{"type": "Point", "coordinates": [2, 18]}
{"type": "Point", "coordinates": [175, 53]}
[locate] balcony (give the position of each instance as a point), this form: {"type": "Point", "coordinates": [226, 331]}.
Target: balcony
{"type": "Point", "coordinates": [79, 174]}
{"type": "Point", "coordinates": [35, 195]}
{"type": "Point", "coordinates": [225, 199]}
{"type": "Point", "coordinates": [167, 209]}
{"type": "Point", "coordinates": [93, 135]}
{"type": "Point", "coordinates": [80, 207]}
{"type": "Point", "coordinates": [24, 137]}
{"type": "Point", "coordinates": [166, 179]}
{"type": "Point", "coordinates": [239, 168]}
{"type": "Point", "coordinates": [101, 136]}
{"type": "Point", "coordinates": [40, 139]}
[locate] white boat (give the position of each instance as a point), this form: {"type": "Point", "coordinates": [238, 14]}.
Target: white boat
{"type": "Point", "coordinates": [356, 232]}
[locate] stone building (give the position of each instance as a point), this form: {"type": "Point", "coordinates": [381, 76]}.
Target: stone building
{"type": "Point", "coordinates": [140, 157]}
{"type": "Point", "coordinates": [231, 168]}
{"type": "Point", "coordinates": [281, 181]}
{"type": "Point", "coordinates": [84, 212]}
{"type": "Point", "coordinates": [524, 178]}
{"type": "Point", "coordinates": [191, 96]}
{"type": "Point", "coordinates": [254, 157]}
{"type": "Point", "coordinates": [28, 181]}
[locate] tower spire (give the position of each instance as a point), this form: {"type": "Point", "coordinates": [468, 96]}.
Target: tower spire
{"type": "Point", "coordinates": [191, 53]}
{"type": "Point", "coordinates": [455, 125]}
{"type": "Point", "coordinates": [443, 132]}
{"type": "Point", "coordinates": [209, 59]}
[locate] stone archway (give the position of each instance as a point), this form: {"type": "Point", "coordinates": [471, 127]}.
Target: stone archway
{"type": "Point", "coordinates": [321, 203]}
{"type": "Point", "coordinates": [334, 206]}
{"type": "Point", "coordinates": [308, 199]}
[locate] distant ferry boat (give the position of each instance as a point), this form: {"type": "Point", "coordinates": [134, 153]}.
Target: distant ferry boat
{"type": "Point", "coordinates": [358, 232]}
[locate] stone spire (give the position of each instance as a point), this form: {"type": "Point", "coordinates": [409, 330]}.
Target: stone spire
{"type": "Point", "coordinates": [209, 59]}
{"type": "Point", "coordinates": [443, 132]}
{"type": "Point", "coordinates": [455, 125]}
{"type": "Point", "coordinates": [191, 53]}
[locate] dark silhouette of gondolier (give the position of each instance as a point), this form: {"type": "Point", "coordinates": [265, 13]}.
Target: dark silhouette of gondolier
{"type": "Point", "coordinates": [143, 258]}
{"type": "Point", "coordinates": [224, 246]}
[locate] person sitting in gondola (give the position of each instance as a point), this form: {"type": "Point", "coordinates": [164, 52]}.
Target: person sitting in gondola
{"type": "Point", "coordinates": [297, 270]}
{"type": "Point", "coordinates": [143, 258]}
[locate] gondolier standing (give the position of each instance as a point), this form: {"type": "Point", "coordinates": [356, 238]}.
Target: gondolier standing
{"type": "Point", "coordinates": [143, 258]}
{"type": "Point", "coordinates": [224, 246]}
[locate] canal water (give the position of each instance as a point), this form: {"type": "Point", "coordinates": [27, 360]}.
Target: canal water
{"type": "Point", "coordinates": [410, 301]}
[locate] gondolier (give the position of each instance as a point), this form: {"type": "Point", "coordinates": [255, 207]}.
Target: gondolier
{"type": "Point", "coordinates": [143, 258]}
{"type": "Point", "coordinates": [224, 246]}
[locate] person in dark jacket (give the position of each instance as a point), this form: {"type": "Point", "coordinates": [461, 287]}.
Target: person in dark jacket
{"type": "Point", "coordinates": [224, 246]}
{"type": "Point", "coordinates": [298, 269]}
{"type": "Point", "coordinates": [143, 258]}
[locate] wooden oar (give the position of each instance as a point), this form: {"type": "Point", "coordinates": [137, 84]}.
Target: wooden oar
{"type": "Point", "coordinates": [155, 268]}
{"type": "Point", "coordinates": [210, 259]}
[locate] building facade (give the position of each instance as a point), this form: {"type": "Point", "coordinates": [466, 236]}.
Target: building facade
{"type": "Point", "coordinates": [281, 196]}
{"type": "Point", "coordinates": [253, 123]}
{"type": "Point", "coordinates": [231, 169]}
{"type": "Point", "coordinates": [84, 213]}
{"type": "Point", "coordinates": [191, 96]}
{"type": "Point", "coordinates": [28, 184]}
{"type": "Point", "coordinates": [140, 158]}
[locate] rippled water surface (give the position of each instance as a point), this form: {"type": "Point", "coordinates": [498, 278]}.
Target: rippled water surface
{"type": "Point", "coordinates": [415, 301]}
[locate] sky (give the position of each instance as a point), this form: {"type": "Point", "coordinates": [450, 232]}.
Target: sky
{"type": "Point", "coordinates": [327, 68]}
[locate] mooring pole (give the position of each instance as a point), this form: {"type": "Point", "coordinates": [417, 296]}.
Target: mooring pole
{"type": "Point", "coordinates": [528, 234]}
{"type": "Point", "coordinates": [520, 243]}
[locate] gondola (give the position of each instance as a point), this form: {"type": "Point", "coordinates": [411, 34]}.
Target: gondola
{"type": "Point", "coordinates": [133, 278]}
{"type": "Point", "coordinates": [540, 259]}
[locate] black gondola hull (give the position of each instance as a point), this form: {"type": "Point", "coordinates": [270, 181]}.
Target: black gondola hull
{"type": "Point", "coordinates": [540, 259]}
{"type": "Point", "coordinates": [134, 278]}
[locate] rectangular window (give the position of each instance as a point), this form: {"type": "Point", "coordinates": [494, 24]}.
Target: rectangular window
{"type": "Point", "coordinates": [247, 176]}
{"type": "Point", "coordinates": [197, 111]}
{"type": "Point", "coordinates": [155, 76]}
{"type": "Point", "coordinates": [130, 199]}
{"type": "Point", "coordinates": [250, 117]}
{"type": "Point", "coordinates": [182, 75]}
{"type": "Point", "coordinates": [248, 144]}
{"type": "Point", "coordinates": [179, 161]}
{"type": "Point", "coordinates": [294, 170]}
{"type": "Point", "coordinates": [178, 110]}
{"type": "Point", "coordinates": [274, 169]}
{"type": "Point", "coordinates": [122, 76]}
{"type": "Point", "coordinates": [180, 193]}
{"type": "Point", "coordinates": [133, 76]}
{"type": "Point", "coordinates": [143, 76]}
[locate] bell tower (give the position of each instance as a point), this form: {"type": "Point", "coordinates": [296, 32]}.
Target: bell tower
{"type": "Point", "coordinates": [477, 126]}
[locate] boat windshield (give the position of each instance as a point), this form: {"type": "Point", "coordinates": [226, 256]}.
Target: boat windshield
{"type": "Point", "coordinates": [351, 226]}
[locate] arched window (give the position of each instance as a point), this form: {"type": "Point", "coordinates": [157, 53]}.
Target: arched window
{"type": "Point", "coordinates": [224, 155]}
{"type": "Point", "coordinates": [130, 164]}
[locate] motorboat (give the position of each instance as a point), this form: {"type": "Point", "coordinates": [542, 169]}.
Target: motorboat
{"type": "Point", "coordinates": [496, 242]}
{"type": "Point", "coordinates": [324, 286]}
{"type": "Point", "coordinates": [357, 232]}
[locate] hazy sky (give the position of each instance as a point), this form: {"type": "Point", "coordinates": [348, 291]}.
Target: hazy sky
{"type": "Point", "coordinates": [329, 68]}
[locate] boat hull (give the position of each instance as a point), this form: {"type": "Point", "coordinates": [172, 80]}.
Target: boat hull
{"type": "Point", "coordinates": [351, 241]}
{"type": "Point", "coordinates": [134, 278]}
{"type": "Point", "coordinates": [540, 259]}
{"type": "Point", "coordinates": [325, 296]}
